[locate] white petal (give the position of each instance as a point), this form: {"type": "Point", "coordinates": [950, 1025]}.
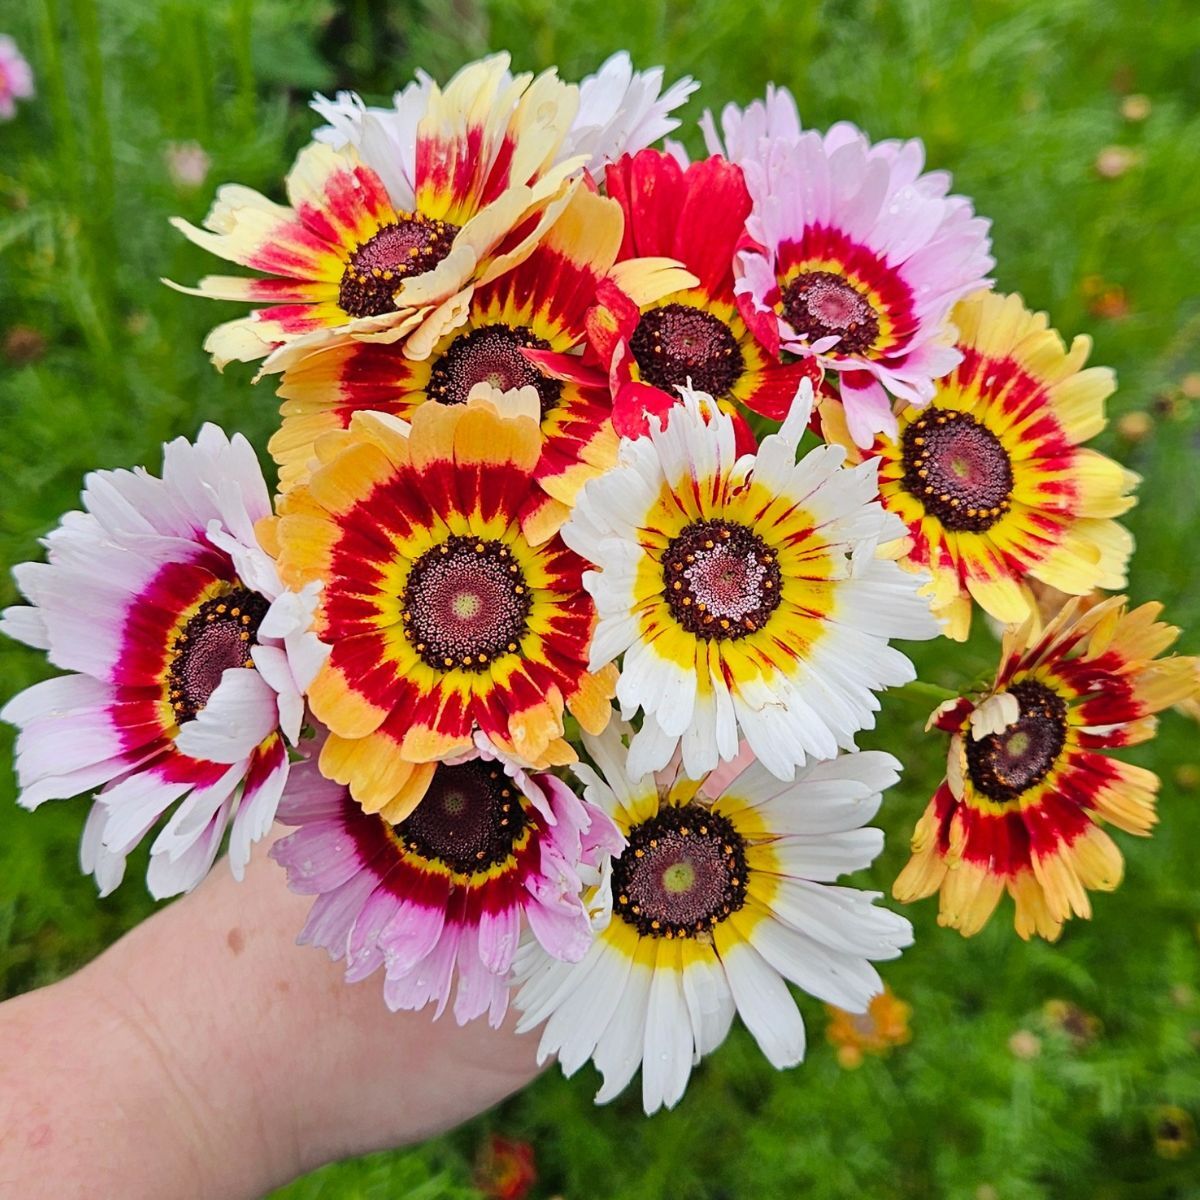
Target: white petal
{"type": "Point", "coordinates": [667, 1056]}
{"type": "Point", "coordinates": [239, 714]}
{"type": "Point", "coordinates": [764, 1004]}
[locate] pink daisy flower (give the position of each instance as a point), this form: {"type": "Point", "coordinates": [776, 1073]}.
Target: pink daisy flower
{"type": "Point", "coordinates": [16, 78]}
{"type": "Point", "coordinates": [188, 662]}
{"type": "Point", "coordinates": [444, 893]}
{"type": "Point", "coordinates": [853, 256]}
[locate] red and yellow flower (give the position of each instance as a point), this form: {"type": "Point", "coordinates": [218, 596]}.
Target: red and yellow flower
{"type": "Point", "coordinates": [442, 617]}
{"type": "Point", "coordinates": [1027, 791]}
{"type": "Point", "coordinates": [537, 308]}
{"type": "Point", "coordinates": [347, 256]}
{"type": "Point", "coordinates": [693, 336]}
{"type": "Point", "coordinates": [993, 479]}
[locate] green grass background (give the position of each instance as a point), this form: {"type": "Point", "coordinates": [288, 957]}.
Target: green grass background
{"type": "Point", "coordinates": [1018, 99]}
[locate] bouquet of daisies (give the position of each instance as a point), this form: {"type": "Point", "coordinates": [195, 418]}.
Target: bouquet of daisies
{"type": "Point", "coordinates": [607, 481]}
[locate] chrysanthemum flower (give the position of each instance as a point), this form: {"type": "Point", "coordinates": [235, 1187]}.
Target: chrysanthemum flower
{"type": "Point", "coordinates": [442, 617]}
{"type": "Point", "coordinates": [876, 1031]}
{"type": "Point", "coordinates": [745, 593]}
{"type": "Point", "coordinates": [189, 662]}
{"type": "Point", "coordinates": [16, 78]}
{"type": "Point", "coordinates": [715, 903]}
{"type": "Point", "coordinates": [445, 893]}
{"type": "Point", "coordinates": [537, 308]}
{"type": "Point", "coordinates": [854, 257]}
{"type": "Point", "coordinates": [993, 479]}
{"type": "Point", "coordinates": [356, 257]}
{"type": "Point", "coordinates": [696, 337]}
{"type": "Point", "coordinates": [620, 112]}
{"type": "Point", "coordinates": [1027, 792]}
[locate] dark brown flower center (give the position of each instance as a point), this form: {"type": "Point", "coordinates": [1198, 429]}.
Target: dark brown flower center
{"type": "Point", "coordinates": [678, 342]}
{"type": "Point", "coordinates": [819, 304]}
{"type": "Point", "coordinates": [465, 604]}
{"type": "Point", "coordinates": [720, 579]}
{"type": "Point", "coordinates": [1003, 766]}
{"type": "Point", "coordinates": [958, 469]}
{"type": "Point", "coordinates": [469, 819]}
{"type": "Point", "coordinates": [411, 246]}
{"type": "Point", "coordinates": [491, 354]}
{"type": "Point", "coordinates": [683, 871]}
{"type": "Point", "coordinates": [219, 635]}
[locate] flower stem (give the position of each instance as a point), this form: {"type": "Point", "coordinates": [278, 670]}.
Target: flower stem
{"type": "Point", "coordinates": [921, 692]}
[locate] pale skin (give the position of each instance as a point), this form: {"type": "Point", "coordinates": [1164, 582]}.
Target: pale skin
{"type": "Point", "coordinates": [205, 1055]}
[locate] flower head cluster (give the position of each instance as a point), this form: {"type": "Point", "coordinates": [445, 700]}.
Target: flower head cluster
{"type": "Point", "coordinates": [545, 393]}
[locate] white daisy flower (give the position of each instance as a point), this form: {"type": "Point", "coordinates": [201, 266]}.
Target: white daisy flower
{"type": "Point", "coordinates": [744, 593]}
{"type": "Point", "coordinates": [717, 903]}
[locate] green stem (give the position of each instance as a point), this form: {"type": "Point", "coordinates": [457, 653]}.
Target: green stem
{"type": "Point", "coordinates": [56, 95]}
{"type": "Point", "coordinates": [241, 21]}
{"type": "Point", "coordinates": [921, 692]}
{"type": "Point", "coordinates": [101, 200]}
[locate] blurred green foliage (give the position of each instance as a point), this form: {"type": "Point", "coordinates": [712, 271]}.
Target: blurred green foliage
{"type": "Point", "coordinates": [1020, 100]}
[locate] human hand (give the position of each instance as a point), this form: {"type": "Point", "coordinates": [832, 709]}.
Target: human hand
{"type": "Point", "coordinates": [205, 1054]}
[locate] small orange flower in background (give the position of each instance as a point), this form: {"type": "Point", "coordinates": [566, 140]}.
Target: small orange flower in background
{"type": "Point", "coordinates": [1174, 1131]}
{"type": "Point", "coordinates": [882, 1026]}
{"type": "Point", "coordinates": [506, 1169]}
{"type": "Point", "coordinates": [1078, 1025]}
{"type": "Point", "coordinates": [1104, 298]}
